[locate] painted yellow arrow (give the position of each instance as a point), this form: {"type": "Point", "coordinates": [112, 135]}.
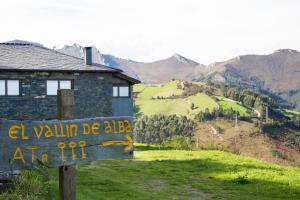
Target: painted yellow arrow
{"type": "Point", "coordinates": [128, 143]}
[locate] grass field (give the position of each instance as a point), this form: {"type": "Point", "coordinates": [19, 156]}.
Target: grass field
{"type": "Point", "coordinates": [149, 104]}
{"type": "Point", "coordinates": [175, 174]}
{"type": "Point", "coordinates": [228, 103]}
{"type": "Point", "coordinates": [163, 90]}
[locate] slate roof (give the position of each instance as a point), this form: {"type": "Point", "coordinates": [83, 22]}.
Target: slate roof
{"type": "Point", "coordinates": [29, 57]}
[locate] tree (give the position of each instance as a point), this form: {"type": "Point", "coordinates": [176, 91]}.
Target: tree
{"type": "Point", "coordinates": [192, 106]}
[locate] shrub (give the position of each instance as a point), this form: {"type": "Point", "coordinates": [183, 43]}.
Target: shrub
{"type": "Point", "coordinates": [178, 143]}
{"type": "Point", "coordinates": [242, 179]}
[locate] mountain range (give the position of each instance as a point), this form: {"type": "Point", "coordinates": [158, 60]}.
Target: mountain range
{"type": "Point", "coordinates": [277, 73]}
{"type": "Point", "coordinates": [174, 67]}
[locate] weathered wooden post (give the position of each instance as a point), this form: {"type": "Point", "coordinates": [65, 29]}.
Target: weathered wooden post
{"type": "Point", "coordinates": [66, 110]}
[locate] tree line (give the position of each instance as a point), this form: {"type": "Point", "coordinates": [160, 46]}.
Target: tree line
{"type": "Point", "coordinates": [159, 128]}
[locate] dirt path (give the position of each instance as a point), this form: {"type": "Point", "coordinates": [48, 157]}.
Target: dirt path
{"type": "Point", "coordinates": [214, 132]}
{"type": "Point", "coordinates": [216, 103]}
{"type": "Point", "coordinates": [257, 112]}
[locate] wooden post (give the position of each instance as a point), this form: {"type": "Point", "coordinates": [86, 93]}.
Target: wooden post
{"type": "Point", "coordinates": [66, 110]}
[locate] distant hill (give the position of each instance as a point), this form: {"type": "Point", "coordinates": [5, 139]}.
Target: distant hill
{"type": "Point", "coordinates": [174, 67]}
{"type": "Point", "coordinates": [278, 72]}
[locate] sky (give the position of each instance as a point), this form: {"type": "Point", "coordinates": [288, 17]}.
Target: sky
{"type": "Point", "coordinates": [146, 30]}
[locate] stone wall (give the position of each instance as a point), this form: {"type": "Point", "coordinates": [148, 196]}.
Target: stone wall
{"type": "Point", "coordinates": [93, 95]}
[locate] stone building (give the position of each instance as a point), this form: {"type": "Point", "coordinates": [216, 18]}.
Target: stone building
{"type": "Point", "coordinates": [30, 76]}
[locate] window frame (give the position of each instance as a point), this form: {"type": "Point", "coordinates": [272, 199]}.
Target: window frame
{"type": "Point", "coordinates": [121, 85]}
{"type": "Point", "coordinates": [58, 85]}
{"type": "Point", "coordinates": [6, 88]}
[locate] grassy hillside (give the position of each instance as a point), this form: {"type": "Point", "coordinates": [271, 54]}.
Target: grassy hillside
{"type": "Point", "coordinates": [246, 139]}
{"type": "Point", "coordinates": [173, 174]}
{"type": "Point", "coordinates": [226, 104]}
{"type": "Point", "coordinates": [165, 99]}
{"type": "Point", "coordinates": [164, 90]}
{"type": "Point", "coordinates": [153, 99]}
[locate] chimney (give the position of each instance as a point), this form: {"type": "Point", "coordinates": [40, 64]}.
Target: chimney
{"type": "Point", "coordinates": [88, 55]}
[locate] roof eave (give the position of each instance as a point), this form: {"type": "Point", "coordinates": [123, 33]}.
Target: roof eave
{"type": "Point", "coordinates": [58, 70]}
{"type": "Point", "coordinates": [117, 72]}
{"type": "Point", "coordinates": [128, 78]}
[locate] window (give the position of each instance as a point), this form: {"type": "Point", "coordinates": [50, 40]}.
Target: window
{"type": "Point", "coordinates": [54, 85]}
{"type": "Point", "coordinates": [115, 91]}
{"type": "Point", "coordinates": [13, 87]}
{"type": "Point", "coordinates": [121, 91]}
{"type": "Point", "coordinates": [9, 87]}
{"type": "Point", "coordinates": [124, 91]}
{"type": "Point", "coordinates": [2, 87]}
{"type": "Point", "coordinates": [65, 84]}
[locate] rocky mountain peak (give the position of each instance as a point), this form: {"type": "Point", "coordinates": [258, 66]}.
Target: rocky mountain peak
{"type": "Point", "coordinates": [286, 51]}
{"type": "Point", "coordinates": [183, 59]}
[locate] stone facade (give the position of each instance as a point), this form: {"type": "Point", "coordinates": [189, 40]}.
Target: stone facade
{"type": "Point", "coordinates": [93, 95]}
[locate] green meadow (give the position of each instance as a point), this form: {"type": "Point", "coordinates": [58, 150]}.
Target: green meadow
{"type": "Point", "coordinates": [164, 90]}
{"type": "Point", "coordinates": [154, 99]}
{"type": "Point", "coordinates": [156, 173]}
{"type": "Point", "coordinates": [226, 104]}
